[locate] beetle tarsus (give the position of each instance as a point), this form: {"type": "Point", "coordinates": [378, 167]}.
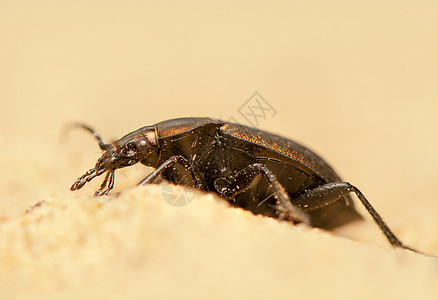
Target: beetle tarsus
{"type": "Point", "coordinates": [104, 190]}
{"type": "Point", "coordinates": [334, 191]}
{"type": "Point", "coordinates": [377, 218]}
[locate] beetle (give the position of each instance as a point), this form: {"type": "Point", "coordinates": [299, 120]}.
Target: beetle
{"type": "Point", "coordinates": [258, 171]}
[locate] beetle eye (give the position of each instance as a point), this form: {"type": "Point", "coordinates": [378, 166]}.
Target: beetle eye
{"type": "Point", "coordinates": [143, 146]}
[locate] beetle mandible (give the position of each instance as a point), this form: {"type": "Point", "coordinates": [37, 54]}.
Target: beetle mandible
{"type": "Point", "coordinates": [253, 169]}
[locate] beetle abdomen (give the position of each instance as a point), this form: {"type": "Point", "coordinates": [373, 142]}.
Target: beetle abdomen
{"type": "Point", "coordinates": [297, 168]}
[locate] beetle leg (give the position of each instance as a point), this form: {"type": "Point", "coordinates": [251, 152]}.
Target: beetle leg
{"type": "Point", "coordinates": [332, 192]}
{"type": "Point", "coordinates": [170, 163]}
{"type": "Point", "coordinates": [109, 178]}
{"type": "Point", "coordinates": [244, 180]}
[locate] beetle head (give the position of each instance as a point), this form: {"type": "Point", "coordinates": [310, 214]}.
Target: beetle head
{"type": "Point", "coordinates": [127, 151]}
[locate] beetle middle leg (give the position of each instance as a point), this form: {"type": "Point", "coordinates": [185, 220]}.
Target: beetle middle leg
{"type": "Point", "coordinates": [109, 179]}
{"type": "Point", "coordinates": [334, 191]}
{"type": "Point", "coordinates": [177, 159]}
{"type": "Point", "coordinates": [244, 180]}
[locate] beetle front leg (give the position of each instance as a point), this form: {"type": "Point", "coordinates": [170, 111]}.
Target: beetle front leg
{"type": "Point", "coordinates": [334, 191]}
{"type": "Point", "coordinates": [170, 163]}
{"type": "Point", "coordinates": [245, 178]}
{"type": "Point", "coordinates": [109, 179]}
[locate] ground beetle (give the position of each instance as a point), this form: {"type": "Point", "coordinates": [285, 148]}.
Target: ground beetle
{"type": "Point", "coordinates": [258, 171]}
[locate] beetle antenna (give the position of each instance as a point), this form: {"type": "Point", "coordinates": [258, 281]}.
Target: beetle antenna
{"type": "Point", "coordinates": [102, 145]}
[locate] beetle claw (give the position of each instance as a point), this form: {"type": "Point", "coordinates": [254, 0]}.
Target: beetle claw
{"type": "Point", "coordinates": [100, 192]}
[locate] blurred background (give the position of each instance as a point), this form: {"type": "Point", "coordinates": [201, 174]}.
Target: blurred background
{"type": "Point", "coordinates": [356, 81]}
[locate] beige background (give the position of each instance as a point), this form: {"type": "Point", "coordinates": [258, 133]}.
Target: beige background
{"type": "Point", "coordinates": [356, 81]}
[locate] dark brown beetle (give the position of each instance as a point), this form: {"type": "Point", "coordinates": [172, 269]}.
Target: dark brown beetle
{"type": "Point", "coordinates": [258, 171]}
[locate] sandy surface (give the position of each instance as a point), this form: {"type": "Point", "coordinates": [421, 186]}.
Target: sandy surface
{"type": "Point", "coordinates": [356, 82]}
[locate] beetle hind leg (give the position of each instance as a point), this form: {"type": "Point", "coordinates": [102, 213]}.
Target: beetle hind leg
{"type": "Point", "coordinates": [248, 178]}
{"type": "Point", "coordinates": [334, 191]}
